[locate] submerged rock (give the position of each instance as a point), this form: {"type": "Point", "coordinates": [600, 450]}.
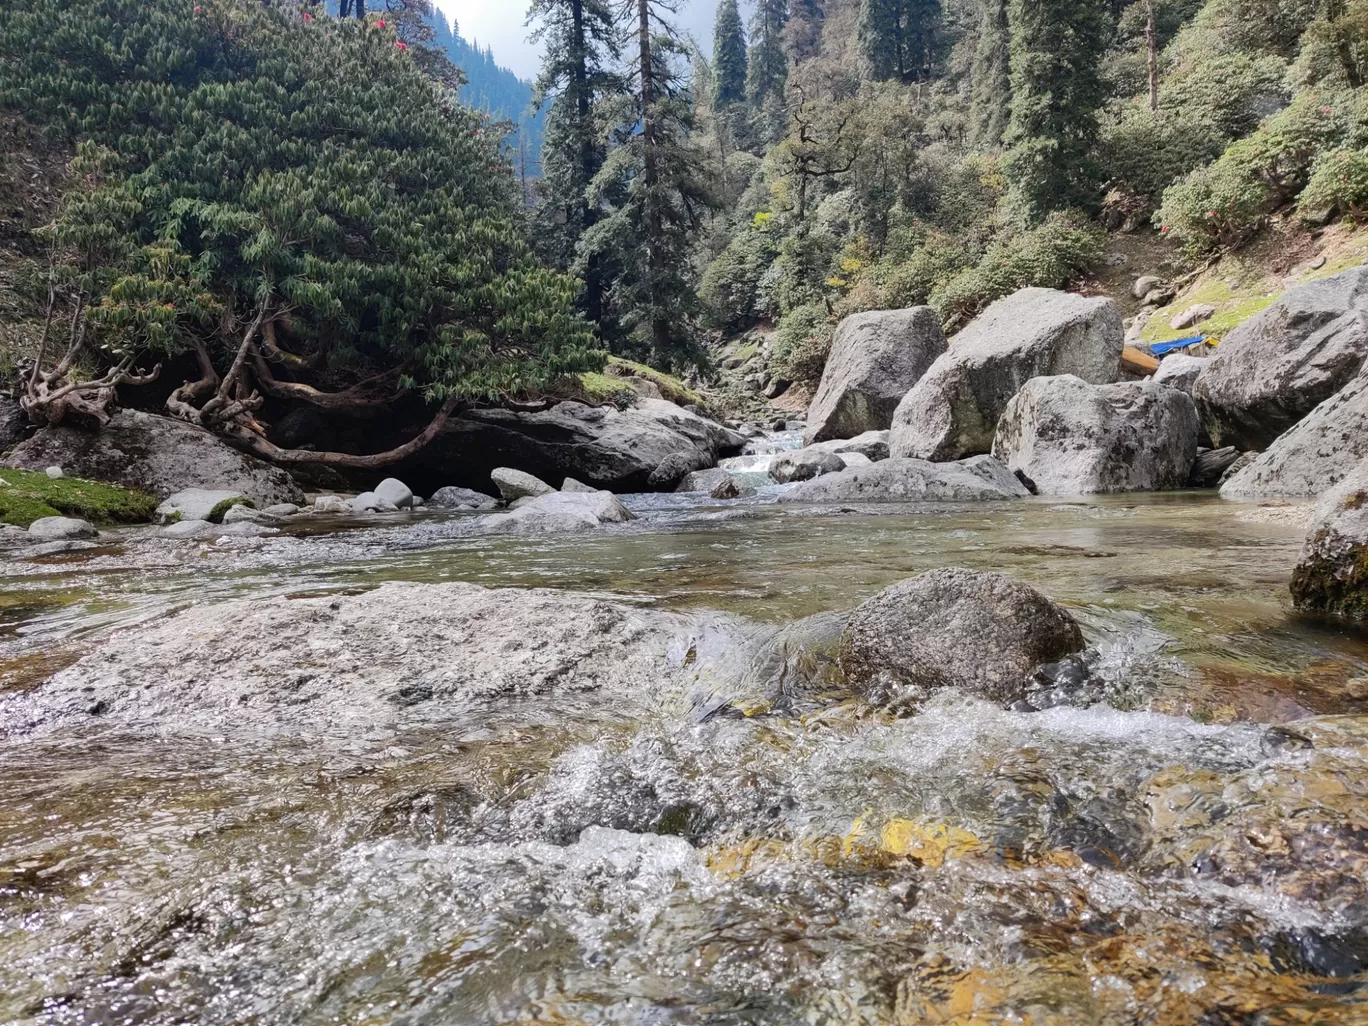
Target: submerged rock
{"type": "Point", "coordinates": [155, 454]}
{"type": "Point", "coordinates": [559, 513]}
{"type": "Point", "coordinates": [452, 497]}
{"type": "Point", "coordinates": [369, 502]}
{"type": "Point", "coordinates": [805, 464]}
{"type": "Point", "coordinates": [875, 359]}
{"type": "Point", "coordinates": [328, 667]}
{"type": "Point", "coordinates": [953, 411]}
{"type": "Point", "coordinates": [982, 634]}
{"type": "Point", "coordinates": [1315, 455]}
{"type": "Point", "coordinates": [730, 488]}
{"type": "Point", "coordinates": [515, 484]}
{"type": "Point", "coordinates": [1332, 572]}
{"type": "Point", "coordinates": [1278, 366]}
{"type": "Point", "coordinates": [1063, 436]}
{"type": "Point", "coordinates": [909, 480]}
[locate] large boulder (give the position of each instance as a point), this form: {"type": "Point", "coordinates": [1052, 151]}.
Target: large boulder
{"type": "Point", "coordinates": [908, 480]}
{"type": "Point", "coordinates": [598, 445]}
{"type": "Point", "coordinates": [1063, 436]}
{"type": "Point", "coordinates": [49, 529]}
{"type": "Point", "coordinates": [871, 444]}
{"type": "Point", "coordinates": [1332, 572]}
{"type": "Point", "coordinates": [1315, 455]}
{"type": "Point", "coordinates": [953, 411]}
{"type": "Point", "coordinates": [155, 454]}
{"type": "Point", "coordinates": [559, 513]}
{"type": "Point", "coordinates": [875, 359]}
{"type": "Point", "coordinates": [516, 484]}
{"type": "Point", "coordinates": [674, 468]}
{"type": "Point", "coordinates": [1180, 371]}
{"type": "Point", "coordinates": [805, 464]}
{"type": "Point", "coordinates": [454, 497]}
{"type": "Point", "coordinates": [1279, 365]}
{"type": "Point", "coordinates": [978, 633]}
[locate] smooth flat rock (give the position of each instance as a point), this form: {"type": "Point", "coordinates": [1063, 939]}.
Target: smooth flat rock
{"type": "Point", "coordinates": [53, 529]}
{"type": "Point", "coordinates": [907, 480]}
{"type": "Point", "coordinates": [953, 411]}
{"type": "Point", "coordinates": [875, 360]}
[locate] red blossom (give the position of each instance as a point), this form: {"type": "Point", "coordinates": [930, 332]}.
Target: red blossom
{"type": "Point", "coordinates": [400, 46]}
{"type": "Point", "coordinates": [308, 16]}
{"type": "Point", "coordinates": [380, 23]}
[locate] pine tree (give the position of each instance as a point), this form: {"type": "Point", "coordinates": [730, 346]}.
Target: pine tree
{"type": "Point", "coordinates": [729, 56]}
{"type": "Point", "coordinates": [768, 62]}
{"type": "Point", "coordinates": [990, 78]}
{"type": "Point", "coordinates": [898, 38]}
{"type": "Point", "coordinates": [1056, 50]}
{"type": "Point", "coordinates": [582, 48]}
{"type": "Point", "coordinates": [662, 193]}
{"type": "Point", "coordinates": [803, 34]}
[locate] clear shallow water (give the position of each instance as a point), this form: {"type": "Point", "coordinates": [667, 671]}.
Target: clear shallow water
{"type": "Point", "coordinates": [1168, 858]}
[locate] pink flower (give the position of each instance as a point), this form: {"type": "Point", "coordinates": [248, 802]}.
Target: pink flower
{"type": "Point", "coordinates": [199, 10]}
{"type": "Point", "coordinates": [1327, 110]}
{"type": "Point", "coordinates": [308, 16]}
{"type": "Point", "coordinates": [400, 46]}
{"type": "Point", "coordinates": [1163, 228]}
{"type": "Point", "coordinates": [1211, 213]}
{"type": "Point", "coordinates": [380, 23]}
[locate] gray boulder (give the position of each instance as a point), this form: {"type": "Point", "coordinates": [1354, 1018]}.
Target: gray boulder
{"type": "Point", "coordinates": [284, 509]}
{"type": "Point", "coordinates": [1194, 314]}
{"type": "Point", "coordinates": [155, 454]}
{"type": "Point", "coordinates": [55, 529]}
{"type": "Point", "coordinates": [1279, 365]}
{"type": "Point", "coordinates": [953, 411]}
{"type": "Point", "coordinates": [394, 491]}
{"type": "Point", "coordinates": [1312, 457]}
{"type": "Point", "coordinates": [675, 467]}
{"type": "Point", "coordinates": [1180, 372]}
{"type": "Point", "coordinates": [369, 502]}
{"type": "Point", "coordinates": [978, 633]}
{"type": "Point", "coordinates": [703, 480]}
{"type": "Point", "coordinates": [331, 504]}
{"type": "Point", "coordinates": [908, 480]}
{"type": "Point", "coordinates": [560, 513]}
{"type": "Point", "coordinates": [1332, 572]}
{"type": "Point", "coordinates": [12, 537]}
{"type": "Point", "coordinates": [1144, 285]}
{"type": "Point", "coordinates": [515, 484]}
{"type": "Point", "coordinates": [571, 485]}
{"type": "Point", "coordinates": [804, 465]}
{"type": "Point", "coordinates": [872, 444]}
{"type": "Point", "coordinates": [602, 446]}
{"type": "Point", "coordinates": [197, 503]}
{"type": "Point", "coordinates": [452, 497]}
{"type": "Point", "coordinates": [875, 359]}
{"type": "Point", "coordinates": [244, 514]}
{"type": "Point", "coordinates": [186, 529]}
{"type": "Point", "coordinates": [1211, 465]}
{"type": "Point", "coordinates": [1063, 436]}
{"type": "Point", "coordinates": [731, 488]}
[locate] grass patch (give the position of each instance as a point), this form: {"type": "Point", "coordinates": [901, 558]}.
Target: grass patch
{"type": "Point", "coordinates": [601, 388]}
{"type": "Point", "coordinates": [1233, 306]}
{"type": "Point", "coordinates": [30, 495]}
{"type": "Point", "coordinates": [670, 387]}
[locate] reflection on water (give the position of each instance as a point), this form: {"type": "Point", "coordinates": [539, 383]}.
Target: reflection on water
{"type": "Point", "coordinates": [1168, 858]}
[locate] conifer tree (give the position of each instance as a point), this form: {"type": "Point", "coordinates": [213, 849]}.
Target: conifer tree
{"type": "Point", "coordinates": [768, 69]}
{"type": "Point", "coordinates": [990, 78]}
{"type": "Point", "coordinates": [1056, 50]}
{"type": "Point", "coordinates": [661, 181]}
{"type": "Point", "coordinates": [803, 33]}
{"type": "Point", "coordinates": [729, 56]}
{"type": "Point", "coordinates": [582, 50]}
{"type": "Point", "coordinates": [898, 38]}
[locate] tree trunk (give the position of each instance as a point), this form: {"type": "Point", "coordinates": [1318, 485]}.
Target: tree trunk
{"type": "Point", "coordinates": [593, 283]}
{"type": "Point", "coordinates": [1152, 47]}
{"type": "Point", "coordinates": [650, 176]}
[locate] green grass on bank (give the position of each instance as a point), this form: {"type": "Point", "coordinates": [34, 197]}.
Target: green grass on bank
{"type": "Point", "coordinates": [670, 387]}
{"type": "Point", "coordinates": [29, 495]}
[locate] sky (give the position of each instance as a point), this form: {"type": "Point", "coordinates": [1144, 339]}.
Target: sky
{"type": "Point", "coordinates": [498, 24]}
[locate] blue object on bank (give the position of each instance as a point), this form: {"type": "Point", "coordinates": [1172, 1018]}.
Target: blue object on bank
{"type": "Point", "coordinates": [1160, 348]}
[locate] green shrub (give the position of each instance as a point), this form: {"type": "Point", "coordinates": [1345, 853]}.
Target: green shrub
{"type": "Point", "coordinates": [1225, 203]}
{"type": "Point", "coordinates": [730, 286]}
{"type": "Point", "coordinates": [802, 343]}
{"type": "Point", "coordinates": [28, 495]}
{"type": "Point", "coordinates": [1053, 255]}
{"type": "Point", "coordinates": [1338, 184]}
{"type": "Point", "coordinates": [1145, 151]}
{"type": "Point", "coordinates": [670, 386]}
{"type": "Point", "coordinates": [799, 273]}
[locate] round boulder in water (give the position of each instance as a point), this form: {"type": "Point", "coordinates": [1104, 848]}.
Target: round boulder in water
{"type": "Point", "coordinates": [979, 633]}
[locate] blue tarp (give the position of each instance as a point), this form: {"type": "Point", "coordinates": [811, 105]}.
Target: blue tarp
{"type": "Point", "coordinates": [1160, 348]}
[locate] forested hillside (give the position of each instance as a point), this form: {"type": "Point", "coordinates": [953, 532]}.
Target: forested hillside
{"type": "Point", "coordinates": [846, 155]}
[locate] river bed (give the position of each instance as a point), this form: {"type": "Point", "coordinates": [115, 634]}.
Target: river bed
{"type": "Point", "coordinates": [1188, 846]}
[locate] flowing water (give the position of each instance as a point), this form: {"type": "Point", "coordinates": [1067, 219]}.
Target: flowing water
{"type": "Point", "coordinates": [1186, 845]}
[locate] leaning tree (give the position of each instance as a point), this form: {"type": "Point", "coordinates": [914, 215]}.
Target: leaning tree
{"type": "Point", "coordinates": [285, 198]}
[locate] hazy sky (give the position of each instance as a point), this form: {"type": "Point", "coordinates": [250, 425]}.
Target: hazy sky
{"type": "Point", "coordinates": [499, 24]}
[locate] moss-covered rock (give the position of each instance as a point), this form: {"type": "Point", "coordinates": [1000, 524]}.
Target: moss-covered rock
{"type": "Point", "coordinates": [1332, 573]}
{"type": "Point", "coordinates": [217, 514]}
{"type": "Point", "coordinates": [27, 496]}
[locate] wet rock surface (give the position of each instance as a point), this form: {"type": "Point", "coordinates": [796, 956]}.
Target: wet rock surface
{"type": "Point", "coordinates": [1063, 436]}
{"type": "Point", "coordinates": [1278, 366]}
{"type": "Point", "coordinates": [805, 464]}
{"type": "Point", "coordinates": [977, 633]}
{"type": "Point", "coordinates": [1332, 570]}
{"type": "Point", "coordinates": [875, 360]}
{"type": "Point", "coordinates": [953, 411]}
{"type": "Point", "coordinates": [157, 455]}
{"type": "Point", "coordinates": [908, 480]}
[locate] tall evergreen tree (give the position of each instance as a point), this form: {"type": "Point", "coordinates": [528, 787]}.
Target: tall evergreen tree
{"type": "Point", "coordinates": [729, 56]}
{"type": "Point", "coordinates": [582, 48]}
{"type": "Point", "coordinates": [768, 62]}
{"type": "Point", "coordinates": [990, 78]}
{"type": "Point", "coordinates": [803, 34]}
{"type": "Point", "coordinates": [1056, 50]}
{"type": "Point", "coordinates": [663, 193]}
{"type": "Point", "coordinates": [898, 38]}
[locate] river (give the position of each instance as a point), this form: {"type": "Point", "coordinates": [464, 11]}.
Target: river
{"type": "Point", "coordinates": [1186, 843]}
